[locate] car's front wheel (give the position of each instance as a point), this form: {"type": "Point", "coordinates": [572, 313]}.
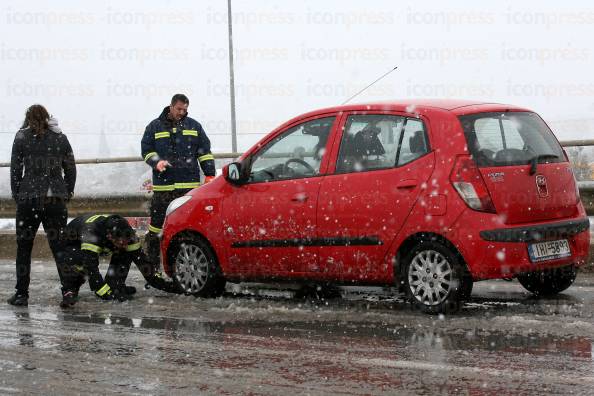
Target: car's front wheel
{"type": "Point", "coordinates": [435, 279]}
{"type": "Point", "coordinates": [548, 282]}
{"type": "Point", "coordinates": [195, 269]}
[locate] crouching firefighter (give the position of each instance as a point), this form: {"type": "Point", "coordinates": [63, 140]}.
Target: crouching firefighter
{"type": "Point", "coordinates": [85, 239]}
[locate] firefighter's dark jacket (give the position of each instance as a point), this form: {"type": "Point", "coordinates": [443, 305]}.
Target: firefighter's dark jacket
{"type": "Point", "coordinates": [90, 233]}
{"type": "Point", "coordinates": [41, 162]}
{"type": "Point", "coordinates": [185, 145]}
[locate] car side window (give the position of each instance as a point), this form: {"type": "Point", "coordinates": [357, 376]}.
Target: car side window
{"type": "Point", "coordinates": [369, 142]}
{"type": "Point", "coordinates": [296, 153]}
{"type": "Point", "coordinates": [413, 143]}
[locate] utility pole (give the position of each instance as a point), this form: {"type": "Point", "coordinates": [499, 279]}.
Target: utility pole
{"type": "Point", "coordinates": [231, 79]}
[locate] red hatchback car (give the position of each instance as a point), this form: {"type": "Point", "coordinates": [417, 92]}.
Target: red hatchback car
{"type": "Point", "coordinates": [429, 195]}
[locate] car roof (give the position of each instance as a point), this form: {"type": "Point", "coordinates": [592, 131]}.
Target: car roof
{"type": "Point", "coordinates": [456, 106]}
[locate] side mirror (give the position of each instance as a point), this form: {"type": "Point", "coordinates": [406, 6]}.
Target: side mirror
{"type": "Point", "coordinates": [232, 173]}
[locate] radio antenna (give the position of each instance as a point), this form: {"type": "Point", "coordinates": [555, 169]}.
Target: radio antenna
{"type": "Point", "coordinates": [384, 75]}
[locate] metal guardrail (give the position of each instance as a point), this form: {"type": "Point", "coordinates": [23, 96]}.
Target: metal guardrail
{"type": "Point", "coordinates": [113, 160]}
{"type": "Point", "coordinates": [580, 142]}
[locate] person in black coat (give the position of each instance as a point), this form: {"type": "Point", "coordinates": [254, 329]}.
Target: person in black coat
{"type": "Point", "coordinates": [42, 178]}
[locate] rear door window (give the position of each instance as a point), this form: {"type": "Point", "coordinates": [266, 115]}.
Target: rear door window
{"type": "Point", "coordinates": [373, 141]}
{"type": "Point", "coordinates": [511, 138]}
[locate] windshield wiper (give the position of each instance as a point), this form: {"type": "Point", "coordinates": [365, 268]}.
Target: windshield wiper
{"type": "Point", "coordinates": [534, 160]}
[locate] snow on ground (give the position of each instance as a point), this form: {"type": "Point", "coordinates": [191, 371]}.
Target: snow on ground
{"type": "Point", "coordinates": [7, 224]}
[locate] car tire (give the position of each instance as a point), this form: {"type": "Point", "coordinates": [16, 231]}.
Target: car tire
{"type": "Point", "coordinates": [548, 282]}
{"type": "Point", "coordinates": [436, 279]}
{"type": "Point", "coordinates": [195, 269]}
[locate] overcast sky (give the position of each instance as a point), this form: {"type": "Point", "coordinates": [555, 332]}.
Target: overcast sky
{"type": "Point", "coordinates": [108, 68]}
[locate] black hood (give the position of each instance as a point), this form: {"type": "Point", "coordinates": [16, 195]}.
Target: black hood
{"type": "Point", "coordinates": [166, 121]}
{"type": "Point", "coordinates": [164, 114]}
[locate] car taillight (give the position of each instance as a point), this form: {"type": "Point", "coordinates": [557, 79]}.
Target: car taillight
{"type": "Point", "coordinates": [468, 182]}
{"type": "Point", "coordinates": [577, 187]}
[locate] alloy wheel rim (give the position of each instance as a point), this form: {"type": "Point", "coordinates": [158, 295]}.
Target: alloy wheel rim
{"type": "Point", "coordinates": [430, 277]}
{"type": "Point", "coordinates": [191, 268]}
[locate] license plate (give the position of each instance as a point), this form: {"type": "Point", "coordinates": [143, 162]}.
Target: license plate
{"type": "Point", "coordinates": [549, 250]}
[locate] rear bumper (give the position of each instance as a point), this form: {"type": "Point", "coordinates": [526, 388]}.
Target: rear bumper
{"type": "Point", "coordinates": [503, 252]}
{"type": "Point", "coordinates": [536, 233]}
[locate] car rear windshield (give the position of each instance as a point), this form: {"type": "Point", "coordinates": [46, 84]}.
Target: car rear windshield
{"type": "Point", "coordinates": [510, 138]}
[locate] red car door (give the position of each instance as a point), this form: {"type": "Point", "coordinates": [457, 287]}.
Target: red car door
{"type": "Point", "coordinates": [382, 163]}
{"type": "Point", "coordinates": [270, 222]}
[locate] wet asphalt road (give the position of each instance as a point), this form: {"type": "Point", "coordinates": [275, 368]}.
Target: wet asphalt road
{"type": "Point", "coordinates": [264, 341]}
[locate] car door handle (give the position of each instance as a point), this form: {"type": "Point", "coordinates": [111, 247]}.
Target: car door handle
{"type": "Point", "coordinates": [406, 184]}
{"type": "Point", "coordinates": [301, 197]}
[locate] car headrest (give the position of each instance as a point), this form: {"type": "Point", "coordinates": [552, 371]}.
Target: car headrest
{"type": "Point", "coordinates": [417, 142]}
{"type": "Point", "coordinates": [316, 130]}
{"type": "Point", "coordinates": [367, 142]}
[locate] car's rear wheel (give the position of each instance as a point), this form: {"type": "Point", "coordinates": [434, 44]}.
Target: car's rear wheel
{"type": "Point", "coordinates": [548, 282]}
{"type": "Point", "coordinates": [436, 280]}
{"type": "Point", "coordinates": [195, 269]}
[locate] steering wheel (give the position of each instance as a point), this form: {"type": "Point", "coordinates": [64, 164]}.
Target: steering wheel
{"type": "Point", "coordinates": [288, 170]}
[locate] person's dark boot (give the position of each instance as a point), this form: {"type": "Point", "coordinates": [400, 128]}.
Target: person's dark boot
{"type": "Point", "coordinates": [129, 290]}
{"type": "Point", "coordinates": [19, 300]}
{"type": "Point", "coordinates": [121, 296]}
{"type": "Point", "coordinates": [158, 282]}
{"type": "Point", "coordinates": [69, 298]}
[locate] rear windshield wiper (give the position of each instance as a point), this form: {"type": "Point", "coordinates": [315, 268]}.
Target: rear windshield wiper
{"type": "Point", "coordinates": [534, 160]}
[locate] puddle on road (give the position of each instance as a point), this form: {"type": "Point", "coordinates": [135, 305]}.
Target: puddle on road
{"type": "Point", "coordinates": [17, 331]}
{"type": "Point", "coordinates": [230, 330]}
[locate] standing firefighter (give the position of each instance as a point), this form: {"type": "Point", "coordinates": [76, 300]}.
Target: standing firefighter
{"type": "Point", "coordinates": [176, 147]}
{"type": "Point", "coordinates": [89, 236]}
